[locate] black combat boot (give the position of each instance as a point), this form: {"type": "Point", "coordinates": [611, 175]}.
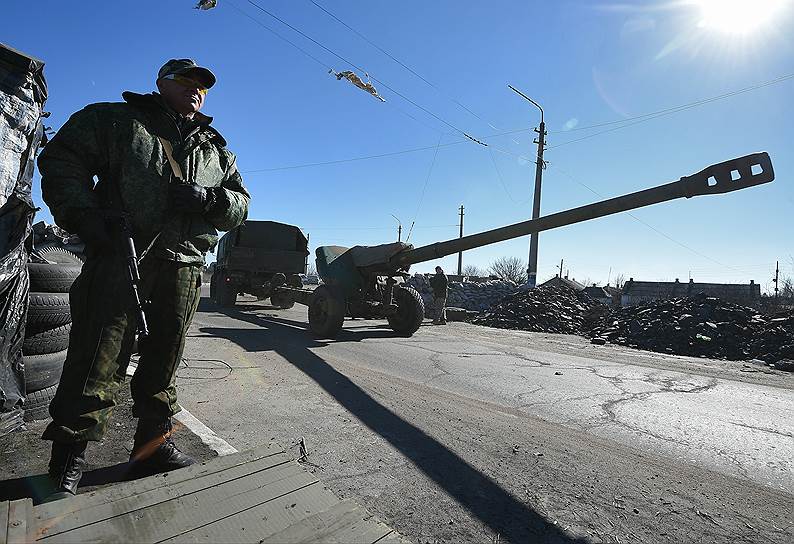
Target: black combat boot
{"type": "Point", "coordinates": [66, 469]}
{"type": "Point", "coordinates": [154, 451]}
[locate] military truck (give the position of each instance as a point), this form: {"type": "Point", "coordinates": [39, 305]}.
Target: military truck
{"type": "Point", "coordinates": [256, 256]}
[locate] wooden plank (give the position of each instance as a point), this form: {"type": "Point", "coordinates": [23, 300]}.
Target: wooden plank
{"type": "Point", "coordinates": [183, 514]}
{"type": "Point", "coordinates": [123, 490]}
{"type": "Point", "coordinates": [3, 522]}
{"type": "Point", "coordinates": [167, 491]}
{"type": "Point", "coordinates": [19, 520]}
{"type": "Point", "coordinates": [342, 523]}
{"type": "Point", "coordinates": [254, 524]}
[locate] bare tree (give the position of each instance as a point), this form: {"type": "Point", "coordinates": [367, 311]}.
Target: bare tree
{"type": "Point", "coordinates": [509, 268]}
{"type": "Point", "coordinates": [311, 270]}
{"type": "Point", "coordinates": [786, 288]}
{"type": "Point", "coordinates": [472, 270]}
{"type": "Point", "coordinates": [620, 279]}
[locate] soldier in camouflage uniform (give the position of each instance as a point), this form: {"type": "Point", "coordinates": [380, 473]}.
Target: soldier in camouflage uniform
{"type": "Point", "coordinates": [174, 222]}
{"type": "Point", "coordinates": [439, 283]}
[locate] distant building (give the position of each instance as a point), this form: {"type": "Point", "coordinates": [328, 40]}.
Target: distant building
{"type": "Point", "coordinates": [599, 293]}
{"type": "Point", "coordinates": [558, 281]}
{"type": "Point", "coordinates": [638, 292]}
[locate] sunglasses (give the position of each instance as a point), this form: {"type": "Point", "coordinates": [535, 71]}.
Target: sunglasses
{"type": "Point", "coordinates": [187, 82]}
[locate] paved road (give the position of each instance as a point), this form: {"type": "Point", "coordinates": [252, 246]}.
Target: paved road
{"type": "Point", "coordinates": [465, 433]}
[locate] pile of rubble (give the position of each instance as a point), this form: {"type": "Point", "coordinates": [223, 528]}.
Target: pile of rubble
{"type": "Point", "coordinates": [544, 309]}
{"type": "Point", "coordinates": [700, 326]}
{"type": "Point", "coordinates": [470, 295]}
{"type": "Point", "coordinates": [697, 326]}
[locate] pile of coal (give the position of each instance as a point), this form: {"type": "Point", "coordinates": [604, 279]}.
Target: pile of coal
{"type": "Point", "coordinates": [543, 309]}
{"type": "Point", "coordinates": [696, 326]}
{"type": "Point", "coordinates": [773, 341]}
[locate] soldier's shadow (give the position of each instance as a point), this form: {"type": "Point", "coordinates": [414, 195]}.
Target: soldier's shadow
{"type": "Point", "coordinates": [38, 486]}
{"type": "Point", "coordinates": [478, 493]}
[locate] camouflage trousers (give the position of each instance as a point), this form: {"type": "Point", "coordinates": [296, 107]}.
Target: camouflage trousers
{"type": "Point", "coordinates": [101, 341]}
{"type": "Point", "coordinates": [440, 309]}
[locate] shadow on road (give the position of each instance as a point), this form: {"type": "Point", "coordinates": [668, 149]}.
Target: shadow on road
{"type": "Point", "coordinates": [495, 507]}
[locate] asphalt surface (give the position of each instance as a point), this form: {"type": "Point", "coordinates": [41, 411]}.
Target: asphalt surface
{"type": "Point", "coordinates": [464, 433]}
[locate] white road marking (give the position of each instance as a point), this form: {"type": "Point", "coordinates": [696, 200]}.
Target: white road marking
{"type": "Point", "coordinates": [212, 440]}
{"type": "Point", "coordinates": [207, 435]}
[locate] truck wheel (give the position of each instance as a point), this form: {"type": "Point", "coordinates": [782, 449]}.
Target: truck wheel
{"type": "Point", "coordinates": [226, 293]}
{"type": "Point", "coordinates": [410, 311]}
{"type": "Point", "coordinates": [326, 311]}
{"type": "Point", "coordinates": [281, 301]}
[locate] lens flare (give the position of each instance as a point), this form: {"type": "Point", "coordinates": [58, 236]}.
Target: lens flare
{"type": "Point", "coordinates": [739, 16]}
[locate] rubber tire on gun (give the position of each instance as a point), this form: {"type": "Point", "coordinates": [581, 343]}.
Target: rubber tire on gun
{"type": "Point", "coordinates": [326, 311]}
{"type": "Point", "coordinates": [410, 311]}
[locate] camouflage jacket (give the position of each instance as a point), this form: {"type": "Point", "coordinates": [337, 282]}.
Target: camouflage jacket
{"type": "Point", "coordinates": [118, 143]}
{"type": "Point", "coordinates": [439, 283]}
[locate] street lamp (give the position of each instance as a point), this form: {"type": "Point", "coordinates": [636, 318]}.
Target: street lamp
{"type": "Point", "coordinates": [532, 266]}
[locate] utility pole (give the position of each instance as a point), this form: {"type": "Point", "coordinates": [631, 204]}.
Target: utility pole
{"type": "Point", "coordinates": [399, 227]}
{"type": "Point", "coordinates": [532, 266]}
{"type": "Point", "coordinates": [561, 260]}
{"type": "Point", "coordinates": [460, 253]}
{"type": "Point", "coordinates": [777, 276]}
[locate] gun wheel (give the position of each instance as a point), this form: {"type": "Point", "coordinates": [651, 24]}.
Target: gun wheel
{"type": "Point", "coordinates": [410, 311]}
{"type": "Point", "coordinates": [326, 312]}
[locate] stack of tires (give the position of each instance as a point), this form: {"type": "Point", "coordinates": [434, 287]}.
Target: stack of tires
{"type": "Point", "coordinates": [47, 328]}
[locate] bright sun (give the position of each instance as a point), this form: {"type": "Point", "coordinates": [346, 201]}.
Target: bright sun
{"type": "Point", "coordinates": [738, 16]}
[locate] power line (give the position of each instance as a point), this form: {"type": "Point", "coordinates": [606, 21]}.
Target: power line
{"type": "Point", "coordinates": [379, 48]}
{"type": "Point", "coordinates": [422, 197]}
{"type": "Point", "coordinates": [624, 124]}
{"type": "Point", "coordinates": [682, 107]}
{"type": "Point", "coordinates": [647, 224]}
{"type": "Point", "coordinates": [318, 61]}
{"type": "Point", "coordinates": [670, 111]}
{"type": "Point", "coordinates": [360, 69]}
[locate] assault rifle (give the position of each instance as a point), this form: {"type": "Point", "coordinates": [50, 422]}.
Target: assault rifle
{"type": "Point", "coordinates": [131, 267]}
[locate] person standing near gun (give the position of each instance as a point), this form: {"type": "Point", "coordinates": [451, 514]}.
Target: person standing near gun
{"type": "Point", "coordinates": [439, 283]}
{"type": "Point", "coordinates": [166, 185]}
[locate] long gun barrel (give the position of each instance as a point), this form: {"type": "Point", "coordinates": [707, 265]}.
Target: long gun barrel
{"type": "Point", "coordinates": [724, 177]}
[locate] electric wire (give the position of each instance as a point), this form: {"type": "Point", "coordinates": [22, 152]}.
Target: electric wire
{"type": "Point", "coordinates": [398, 61]}
{"type": "Point", "coordinates": [424, 189]}
{"type": "Point", "coordinates": [656, 230]}
{"type": "Point", "coordinates": [318, 61]}
{"type": "Point", "coordinates": [502, 181]}
{"type": "Point", "coordinates": [682, 107]}
{"type": "Point", "coordinates": [360, 69]}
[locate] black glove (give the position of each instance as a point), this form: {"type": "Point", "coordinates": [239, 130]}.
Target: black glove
{"type": "Point", "coordinates": [189, 198]}
{"type": "Point", "coordinates": [93, 231]}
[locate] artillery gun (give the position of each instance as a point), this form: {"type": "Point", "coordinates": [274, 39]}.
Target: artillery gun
{"type": "Point", "coordinates": [365, 281]}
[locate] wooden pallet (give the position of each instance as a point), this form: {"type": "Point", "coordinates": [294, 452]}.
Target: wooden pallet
{"type": "Point", "coordinates": [256, 496]}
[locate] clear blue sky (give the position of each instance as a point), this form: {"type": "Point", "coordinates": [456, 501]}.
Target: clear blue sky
{"type": "Point", "coordinates": [586, 62]}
